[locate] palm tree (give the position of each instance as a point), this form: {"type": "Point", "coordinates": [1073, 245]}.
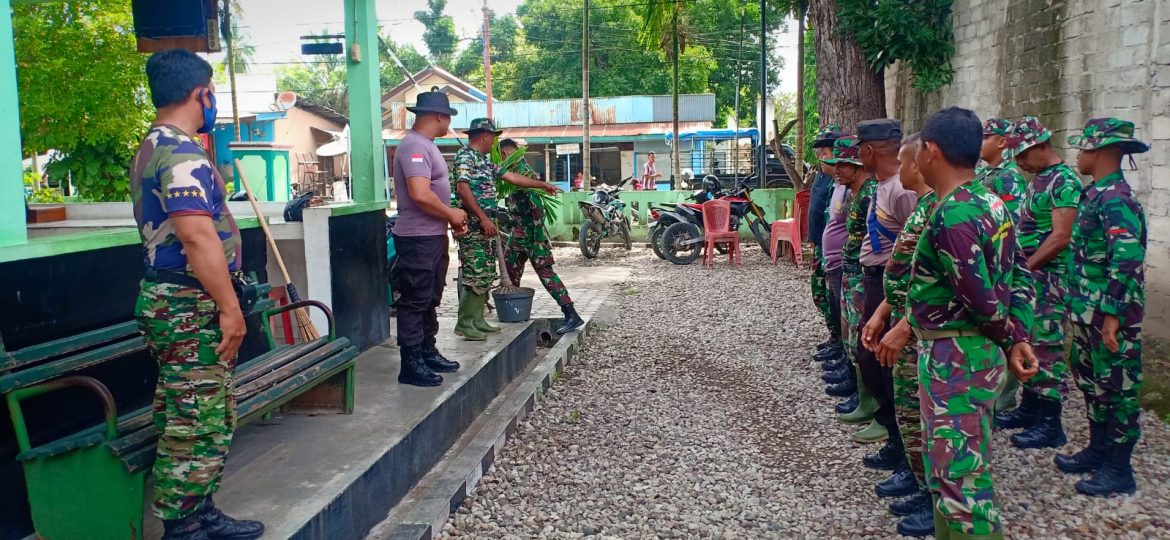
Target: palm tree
{"type": "Point", "coordinates": [660, 30]}
{"type": "Point", "coordinates": [236, 58]}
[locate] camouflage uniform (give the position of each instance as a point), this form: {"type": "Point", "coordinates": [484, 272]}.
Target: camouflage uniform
{"type": "Point", "coordinates": [477, 254]}
{"type": "Point", "coordinates": [968, 302]}
{"type": "Point", "coordinates": [1005, 180]}
{"type": "Point", "coordinates": [194, 402]}
{"type": "Point", "coordinates": [1055, 187]}
{"type": "Point", "coordinates": [529, 242]}
{"type": "Point", "coordinates": [897, 283]}
{"type": "Point", "coordinates": [1106, 278]}
{"type": "Point", "coordinates": [818, 282]}
{"type": "Point", "coordinates": [847, 150]}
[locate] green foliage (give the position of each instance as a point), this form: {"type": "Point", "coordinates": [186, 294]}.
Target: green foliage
{"type": "Point", "coordinates": [549, 203]}
{"type": "Point", "coordinates": [82, 87]}
{"type": "Point", "coordinates": [322, 82]}
{"type": "Point", "coordinates": [918, 32]}
{"type": "Point", "coordinates": [46, 195]}
{"type": "Point", "coordinates": [439, 35]}
{"type": "Point", "coordinates": [504, 34]}
{"type": "Point", "coordinates": [99, 171]}
{"type": "Point", "coordinates": [30, 178]}
{"type": "Point", "coordinates": [812, 116]}
{"type": "Point", "coordinates": [391, 73]}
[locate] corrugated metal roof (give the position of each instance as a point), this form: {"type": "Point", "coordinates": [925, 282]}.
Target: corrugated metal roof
{"type": "Point", "coordinates": [561, 112]}
{"type": "Point", "coordinates": [643, 129]}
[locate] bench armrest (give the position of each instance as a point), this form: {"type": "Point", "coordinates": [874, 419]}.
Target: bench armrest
{"type": "Point", "coordinates": [14, 398]}
{"type": "Point", "coordinates": [298, 305]}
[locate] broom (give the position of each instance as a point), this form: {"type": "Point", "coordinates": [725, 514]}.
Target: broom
{"type": "Point", "coordinates": [305, 327]}
{"type": "Point", "coordinates": [506, 286]}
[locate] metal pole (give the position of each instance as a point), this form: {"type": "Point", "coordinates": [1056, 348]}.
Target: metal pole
{"type": "Point", "coordinates": [738, 86]}
{"type": "Point", "coordinates": [587, 174]}
{"type": "Point", "coordinates": [487, 57]}
{"type": "Point", "coordinates": [762, 167]}
{"type": "Point", "coordinates": [676, 171]}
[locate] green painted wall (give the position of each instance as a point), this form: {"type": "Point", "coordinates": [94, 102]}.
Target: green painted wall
{"type": "Point", "coordinates": [367, 166]}
{"type": "Point", "coordinates": [267, 170]}
{"type": "Point", "coordinates": [12, 225]}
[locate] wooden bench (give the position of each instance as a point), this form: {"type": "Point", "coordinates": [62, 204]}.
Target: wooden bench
{"type": "Point", "coordinates": [91, 484]}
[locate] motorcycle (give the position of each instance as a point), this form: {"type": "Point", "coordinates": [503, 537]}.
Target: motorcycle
{"type": "Point", "coordinates": [604, 217]}
{"type": "Point", "coordinates": [681, 242]}
{"type": "Point", "coordinates": [667, 214]}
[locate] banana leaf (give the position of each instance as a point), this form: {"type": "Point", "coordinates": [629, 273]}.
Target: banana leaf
{"type": "Point", "coordinates": [548, 203]}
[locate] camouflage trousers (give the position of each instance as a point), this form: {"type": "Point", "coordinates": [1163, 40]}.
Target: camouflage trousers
{"type": "Point", "coordinates": [477, 259]}
{"type": "Point", "coordinates": [957, 406]}
{"type": "Point", "coordinates": [529, 243]}
{"type": "Point", "coordinates": [1048, 336]}
{"type": "Point", "coordinates": [1110, 380]}
{"type": "Point", "coordinates": [833, 280]}
{"type": "Point", "coordinates": [852, 305]}
{"type": "Point", "coordinates": [194, 402]}
{"type": "Point", "coordinates": [907, 408]}
{"type": "Point", "coordinates": [821, 296]}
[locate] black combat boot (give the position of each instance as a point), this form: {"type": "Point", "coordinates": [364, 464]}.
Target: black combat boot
{"type": "Point", "coordinates": [1089, 459]}
{"type": "Point", "coordinates": [842, 390]}
{"type": "Point", "coordinates": [572, 320]}
{"type": "Point", "coordinates": [836, 363]}
{"type": "Point", "coordinates": [838, 376]}
{"type": "Point", "coordinates": [829, 353]}
{"type": "Point", "coordinates": [219, 526]}
{"type": "Point", "coordinates": [1047, 432]}
{"type": "Point", "coordinates": [899, 484]}
{"type": "Point", "coordinates": [888, 457]}
{"type": "Point", "coordinates": [821, 346]}
{"type": "Point", "coordinates": [912, 504]}
{"type": "Point", "coordinates": [848, 405]}
{"type": "Point", "coordinates": [1023, 416]}
{"type": "Point", "coordinates": [435, 360]}
{"type": "Point", "coordinates": [188, 528]}
{"type": "Point", "coordinates": [918, 524]}
{"type": "Point", "coordinates": [1115, 476]}
{"type": "Point", "coordinates": [414, 369]}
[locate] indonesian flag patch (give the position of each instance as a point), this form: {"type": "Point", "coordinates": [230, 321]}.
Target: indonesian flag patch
{"type": "Point", "coordinates": [1118, 230]}
{"type": "Point", "coordinates": [416, 158]}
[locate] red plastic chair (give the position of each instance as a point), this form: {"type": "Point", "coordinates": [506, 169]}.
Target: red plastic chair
{"type": "Point", "coordinates": [792, 230]}
{"type": "Point", "coordinates": [717, 230]}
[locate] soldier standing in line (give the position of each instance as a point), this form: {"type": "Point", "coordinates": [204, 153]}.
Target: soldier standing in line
{"type": "Point", "coordinates": [1046, 223]}
{"type": "Point", "coordinates": [1107, 303]}
{"type": "Point", "coordinates": [1002, 177]}
{"type": "Point", "coordinates": [187, 308]}
{"type": "Point", "coordinates": [819, 197]}
{"type": "Point", "coordinates": [475, 184]}
{"type": "Point", "coordinates": [970, 300]}
{"type": "Point", "coordinates": [529, 242]}
{"type": "Point", "coordinates": [849, 171]}
{"type": "Point", "coordinates": [898, 350]}
{"type": "Point", "coordinates": [833, 239]}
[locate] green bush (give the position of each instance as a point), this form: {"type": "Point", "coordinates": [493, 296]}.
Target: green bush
{"type": "Point", "coordinates": [46, 195]}
{"type": "Point", "coordinates": [30, 178]}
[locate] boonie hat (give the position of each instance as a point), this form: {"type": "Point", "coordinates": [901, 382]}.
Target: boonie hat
{"type": "Point", "coordinates": [1102, 132]}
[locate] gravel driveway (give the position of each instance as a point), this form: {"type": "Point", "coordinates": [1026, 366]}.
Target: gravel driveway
{"type": "Point", "coordinates": [696, 412]}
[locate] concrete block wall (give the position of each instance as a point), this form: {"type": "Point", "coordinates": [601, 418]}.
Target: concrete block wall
{"type": "Point", "coordinates": [1066, 61]}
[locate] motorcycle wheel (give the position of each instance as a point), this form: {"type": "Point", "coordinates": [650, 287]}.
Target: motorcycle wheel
{"type": "Point", "coordinates": [656, 240]}
{"type": "Point", "coordinates": [624, 229]}
{"type": "Point", "coordinates": [590, 239]}
{"type": "Point", "coordinates": [672, 239]}
{"type": "Point", "coordinates": [763, 233]}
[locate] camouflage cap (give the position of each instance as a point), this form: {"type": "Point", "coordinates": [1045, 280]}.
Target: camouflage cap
{"type": "Point", "coordinates": [1026, 133]}
{"type": "Point", "coordinates": [846, 150]}
{"type": "Point", "coordinates": [482, 124]}
{"type": "Point", "coordinates": [826, 136]}
{"type": "Point", "coordinates": [1102, 132]}
{"type": "Point", "coordinates": [997, 126]}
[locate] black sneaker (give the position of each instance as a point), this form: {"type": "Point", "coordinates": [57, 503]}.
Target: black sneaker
{"type": "Point", "coordinates": [899, 484]}
{"type": "Point", "coordinates": [219, 526]}
{"type": "Point", "coordinates": [885, 459]}
{"type": "Point", "coordinates": [908, 506]}
{"type": "Point", "coordinates": [848, 405]}
{"type": "Point", "coordinates": [918, 524]}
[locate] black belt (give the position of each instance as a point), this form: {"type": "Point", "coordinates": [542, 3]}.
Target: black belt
{"type": "Point", "coordinates": [158, 275]}
{"type": "Point", "coordinates": [247, 290]}
{"type": "Point", "coordinates": [873, 271]}
{"type": "Point", "coordinates": [850, 268]}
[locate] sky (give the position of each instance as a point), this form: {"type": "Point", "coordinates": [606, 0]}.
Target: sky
{"type": "Point", "coordinates": [275, 26]}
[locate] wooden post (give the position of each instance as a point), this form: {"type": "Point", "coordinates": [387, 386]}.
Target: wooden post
{"type": "Point", "coordinates": [586, 119]}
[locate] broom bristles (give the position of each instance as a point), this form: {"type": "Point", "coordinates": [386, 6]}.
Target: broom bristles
{"type": "Point", "coordinates": [305, 327]}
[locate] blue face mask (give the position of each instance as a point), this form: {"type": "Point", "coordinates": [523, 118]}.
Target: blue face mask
{"type": "Point", "coordinates": [209, 113]}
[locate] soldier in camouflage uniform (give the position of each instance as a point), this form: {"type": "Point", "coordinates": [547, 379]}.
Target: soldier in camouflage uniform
{"type": "Point", "coordinates": [475, 183]}
{"type": "Point", "coordinates": [821, 191]}
{"type": "Point", "coordinates": [1046, 223]}
{"type": "Point", "coordinates": [529, 242]}
{"type": "Point", "coordinates": [970, 300]}
{"type": "Point", "coordinates": [1107, 303]}
{"type": "Point", "coordinates": [899, 349]}
{"type": "Point", "coordinates": [187, 308]}
{"type": "Point", "coordinates": [849, 171]}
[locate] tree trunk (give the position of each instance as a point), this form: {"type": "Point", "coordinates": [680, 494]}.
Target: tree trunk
{"type": "Point", "coordinates": [848, 91]}
{"type": "Point", "coordinates": [676, 167]}
{"type": "Point", "coordinates": [231, 66]}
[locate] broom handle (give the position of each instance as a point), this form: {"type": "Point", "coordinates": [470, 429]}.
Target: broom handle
{"type": "Point", "coordinates": [263, 222]}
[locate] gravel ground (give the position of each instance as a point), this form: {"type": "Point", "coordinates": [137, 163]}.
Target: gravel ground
{"type": "Point", "coordinates": [696, 412]}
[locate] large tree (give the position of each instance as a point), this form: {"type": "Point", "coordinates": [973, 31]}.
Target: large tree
{"type": "Point", "coordinates": [439, 35]}
{"type": "Point", "coordinates": [322, 82]}
{"type": "Point", "coordinates": [848, 89]}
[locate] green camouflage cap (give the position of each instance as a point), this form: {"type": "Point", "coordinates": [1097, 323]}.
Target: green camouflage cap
{"type": "Point", "coordinates": [826, 136]}
{"type": "Point", "coordinates": [1102, 132]}
{"type": "Point", "coordinates": [483, 124]}
{"type": "Point", "coordinates": [846, 150]}
{"type": "Point", "coordinates": [1026, 133]}
{"type": "Point", "coordinates": [997, 126]}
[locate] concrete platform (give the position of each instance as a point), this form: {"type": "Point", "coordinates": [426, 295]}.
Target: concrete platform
{"type": "Point", "coordinates": [336, 476]}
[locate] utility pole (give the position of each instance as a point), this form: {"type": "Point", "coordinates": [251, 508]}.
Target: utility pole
{"type": "Point", "coordinates": [487, 57]}
{"type": "Point", "coordinates": [762, 168]}
{"type": "Point", "coordinates": [801, 7]}
{"type": "Point", "coordinates": [676, 171]}
{"type": "Point", "coordinates": [229, 37]}
{"type": "Point", "coordinates": [586, 165]}
{"type": "Point", "coordinates": [738, 86]}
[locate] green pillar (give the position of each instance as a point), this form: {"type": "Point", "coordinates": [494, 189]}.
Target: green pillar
{"type": "Point", "coordinates": [12, 226]}
{"type": "Point", "coordinates": [367, 163]}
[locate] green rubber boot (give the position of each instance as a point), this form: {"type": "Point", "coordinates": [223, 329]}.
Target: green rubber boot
{"type": "Point", "coordinates": [480, 321]}
{"type": "Point", "coordinates": [872, 433]}
{"type": "Point", "coordinates": [1007, 394]}
{"type": "Point", "coordinates": [866, 404]}
{"type": "Point", "coordinates": [941, 530]}
{"type": "Point", "coordinates": [465, 324]}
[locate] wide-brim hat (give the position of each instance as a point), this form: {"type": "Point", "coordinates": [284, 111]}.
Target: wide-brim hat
{"type": "Point", "coordinates": [482, 124]}
{"type": "Point", "coordinates": [433, 102]}
{"type": "Point", "coordinates": [1102, 132]}
{"type": "Point", "coordinates": [997, 126]}
{"type": "Point", "coordinates": [1026, 133]}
